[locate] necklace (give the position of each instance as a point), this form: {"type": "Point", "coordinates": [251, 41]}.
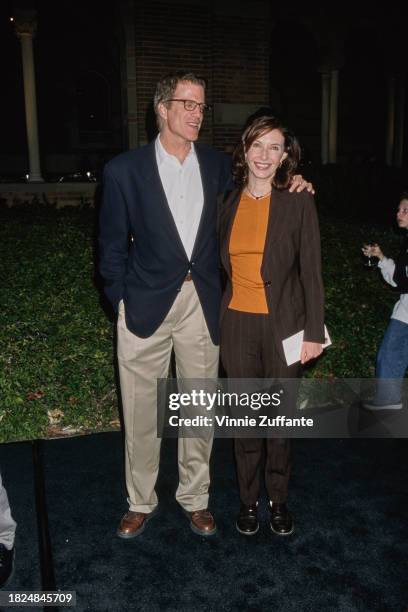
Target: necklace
{"type": "Point", "coordinates": [255, 196]}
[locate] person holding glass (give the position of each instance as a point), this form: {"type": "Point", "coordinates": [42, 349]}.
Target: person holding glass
{"type": "Point", "coordinates": [270, 249]}
{"type": "Point", "coordinates": [392, 357]}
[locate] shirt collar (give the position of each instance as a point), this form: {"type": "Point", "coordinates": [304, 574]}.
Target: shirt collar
{"type": "Point", "coordinates": [163, 156]}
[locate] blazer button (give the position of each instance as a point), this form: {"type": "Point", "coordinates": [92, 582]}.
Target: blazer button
{"type": "Point", "coordinates": [267, 283]}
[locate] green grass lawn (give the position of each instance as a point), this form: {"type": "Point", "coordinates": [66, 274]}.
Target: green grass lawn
{"type": "Point", "coordinates": [57, 373]}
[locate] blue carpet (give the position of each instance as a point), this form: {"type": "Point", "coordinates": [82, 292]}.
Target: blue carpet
{"type": "Point", "coordinates": [349, 552]}
{"type": "Point", "coordinates": [18, 478]}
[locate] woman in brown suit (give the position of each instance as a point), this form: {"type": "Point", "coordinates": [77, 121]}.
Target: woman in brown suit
{"type": "Point", "coordinates": [270, 249]}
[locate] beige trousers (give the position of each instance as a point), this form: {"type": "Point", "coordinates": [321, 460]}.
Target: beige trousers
{"type": "Point", "coordinates": [141, 362]}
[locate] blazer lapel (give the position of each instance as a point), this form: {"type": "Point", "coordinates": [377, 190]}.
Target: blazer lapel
{"type": "Point", "coordinates": [275, 218]}
{"type": "Point", "coordinates": [208, 173]}
{"type": "Point", "coordinates": [228, 214]}
{"type": "Point", "coordinates": [153, 182]}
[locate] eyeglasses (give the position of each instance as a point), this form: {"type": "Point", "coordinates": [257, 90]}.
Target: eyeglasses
{"type": "Point", "coordinates": [191, 105]}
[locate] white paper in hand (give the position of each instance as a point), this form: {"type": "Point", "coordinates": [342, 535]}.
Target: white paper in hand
{"type": "Point", "coordinates": [292, 346]}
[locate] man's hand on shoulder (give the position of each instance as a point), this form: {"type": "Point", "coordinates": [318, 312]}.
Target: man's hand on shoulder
{"type": "Point", "coordinates": [298, 184]}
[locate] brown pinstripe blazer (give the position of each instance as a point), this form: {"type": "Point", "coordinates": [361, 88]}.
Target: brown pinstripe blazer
{"type": "Point", "coordinates": [291, 265]}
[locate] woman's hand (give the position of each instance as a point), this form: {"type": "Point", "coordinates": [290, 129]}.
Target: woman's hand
{"type": "Point", "coordinates": [299, 184]}
{"type": "Point", "coordinates": [373, 250]}
{"type": "Point", "coordinates": [310, 350]}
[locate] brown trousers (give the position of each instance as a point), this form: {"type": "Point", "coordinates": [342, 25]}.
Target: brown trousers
{"type": "Point", "coordinates": [248, 351]}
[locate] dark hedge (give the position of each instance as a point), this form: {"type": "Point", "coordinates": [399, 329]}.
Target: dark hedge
{"type": "Point", "coordinates": [57, 373]}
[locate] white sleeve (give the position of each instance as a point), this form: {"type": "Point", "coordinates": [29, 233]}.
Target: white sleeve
{"type": "Point", "coordinates": [387, 267]}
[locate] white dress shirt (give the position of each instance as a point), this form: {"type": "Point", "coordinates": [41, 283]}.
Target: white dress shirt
{"type": "Point", "coordinates": [400, 312]}
{"type": "Point", "coordinates": [184, 192]}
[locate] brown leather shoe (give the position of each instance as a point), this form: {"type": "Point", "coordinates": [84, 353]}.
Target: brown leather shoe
{"type": "Point", "coordinates": [202, 522]}
{"type": "Point", "coordinates": [133, 524]}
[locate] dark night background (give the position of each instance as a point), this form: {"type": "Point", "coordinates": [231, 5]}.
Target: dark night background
{"type": "Point", "coordinates": [79, 75]}
{"type": "Point", "coordinates": [96, 68]}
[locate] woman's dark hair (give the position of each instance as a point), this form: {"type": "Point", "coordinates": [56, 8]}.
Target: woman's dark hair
{"type": "Point", "coordinates": [255, 129]}
{"type": "Point", "coordinates": [403, 196]}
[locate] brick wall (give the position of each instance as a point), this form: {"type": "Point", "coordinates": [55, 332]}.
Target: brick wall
{"type": "Point", "coordinates": [229, 48]}
{"type": "Point", "coordinates": [170, 37]}
{"type": "Point", "coordinates": [241, 68]}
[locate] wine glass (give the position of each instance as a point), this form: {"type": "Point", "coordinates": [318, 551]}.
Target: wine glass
{"type": "Point", "coordinates": [371, 261]}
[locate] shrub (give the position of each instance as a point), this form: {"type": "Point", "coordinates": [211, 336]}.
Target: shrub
{"type": "Point", "coordinates": [57, 362]}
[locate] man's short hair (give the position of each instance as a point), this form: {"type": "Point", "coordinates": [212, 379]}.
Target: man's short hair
{"type": "Point", "coordinates": [166, 87]}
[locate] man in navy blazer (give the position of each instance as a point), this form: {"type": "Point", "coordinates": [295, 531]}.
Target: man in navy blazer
{"type": "Point", "coordinates": [159, 261]}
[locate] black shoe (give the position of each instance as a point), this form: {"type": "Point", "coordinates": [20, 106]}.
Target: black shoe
{"type": "Point", "coordinates": [247, 521]}
{"type": "Point", "coordinates": [280, 519]}
{"type": "Point", "coordinates": [6, 564]}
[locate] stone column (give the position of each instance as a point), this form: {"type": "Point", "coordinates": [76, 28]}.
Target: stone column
{"type": "Point", "coordinates": [390, 131]}
{"type": "Point", "coordinates": [399, 122]}
{"type": "Point", "coordinates": [325, 117]}
{"type": "Point", "coordinates": [334, 92]}
{"type": "Point", "coordinates": [330, 92]}
{"type": "Point", "coordinates": [25, 24]}
{"type": "Point", "coordinates": [129, 90]}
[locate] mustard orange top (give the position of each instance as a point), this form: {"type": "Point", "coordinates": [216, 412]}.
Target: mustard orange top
{"type": "Point", "coordinates": [246, 250]}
